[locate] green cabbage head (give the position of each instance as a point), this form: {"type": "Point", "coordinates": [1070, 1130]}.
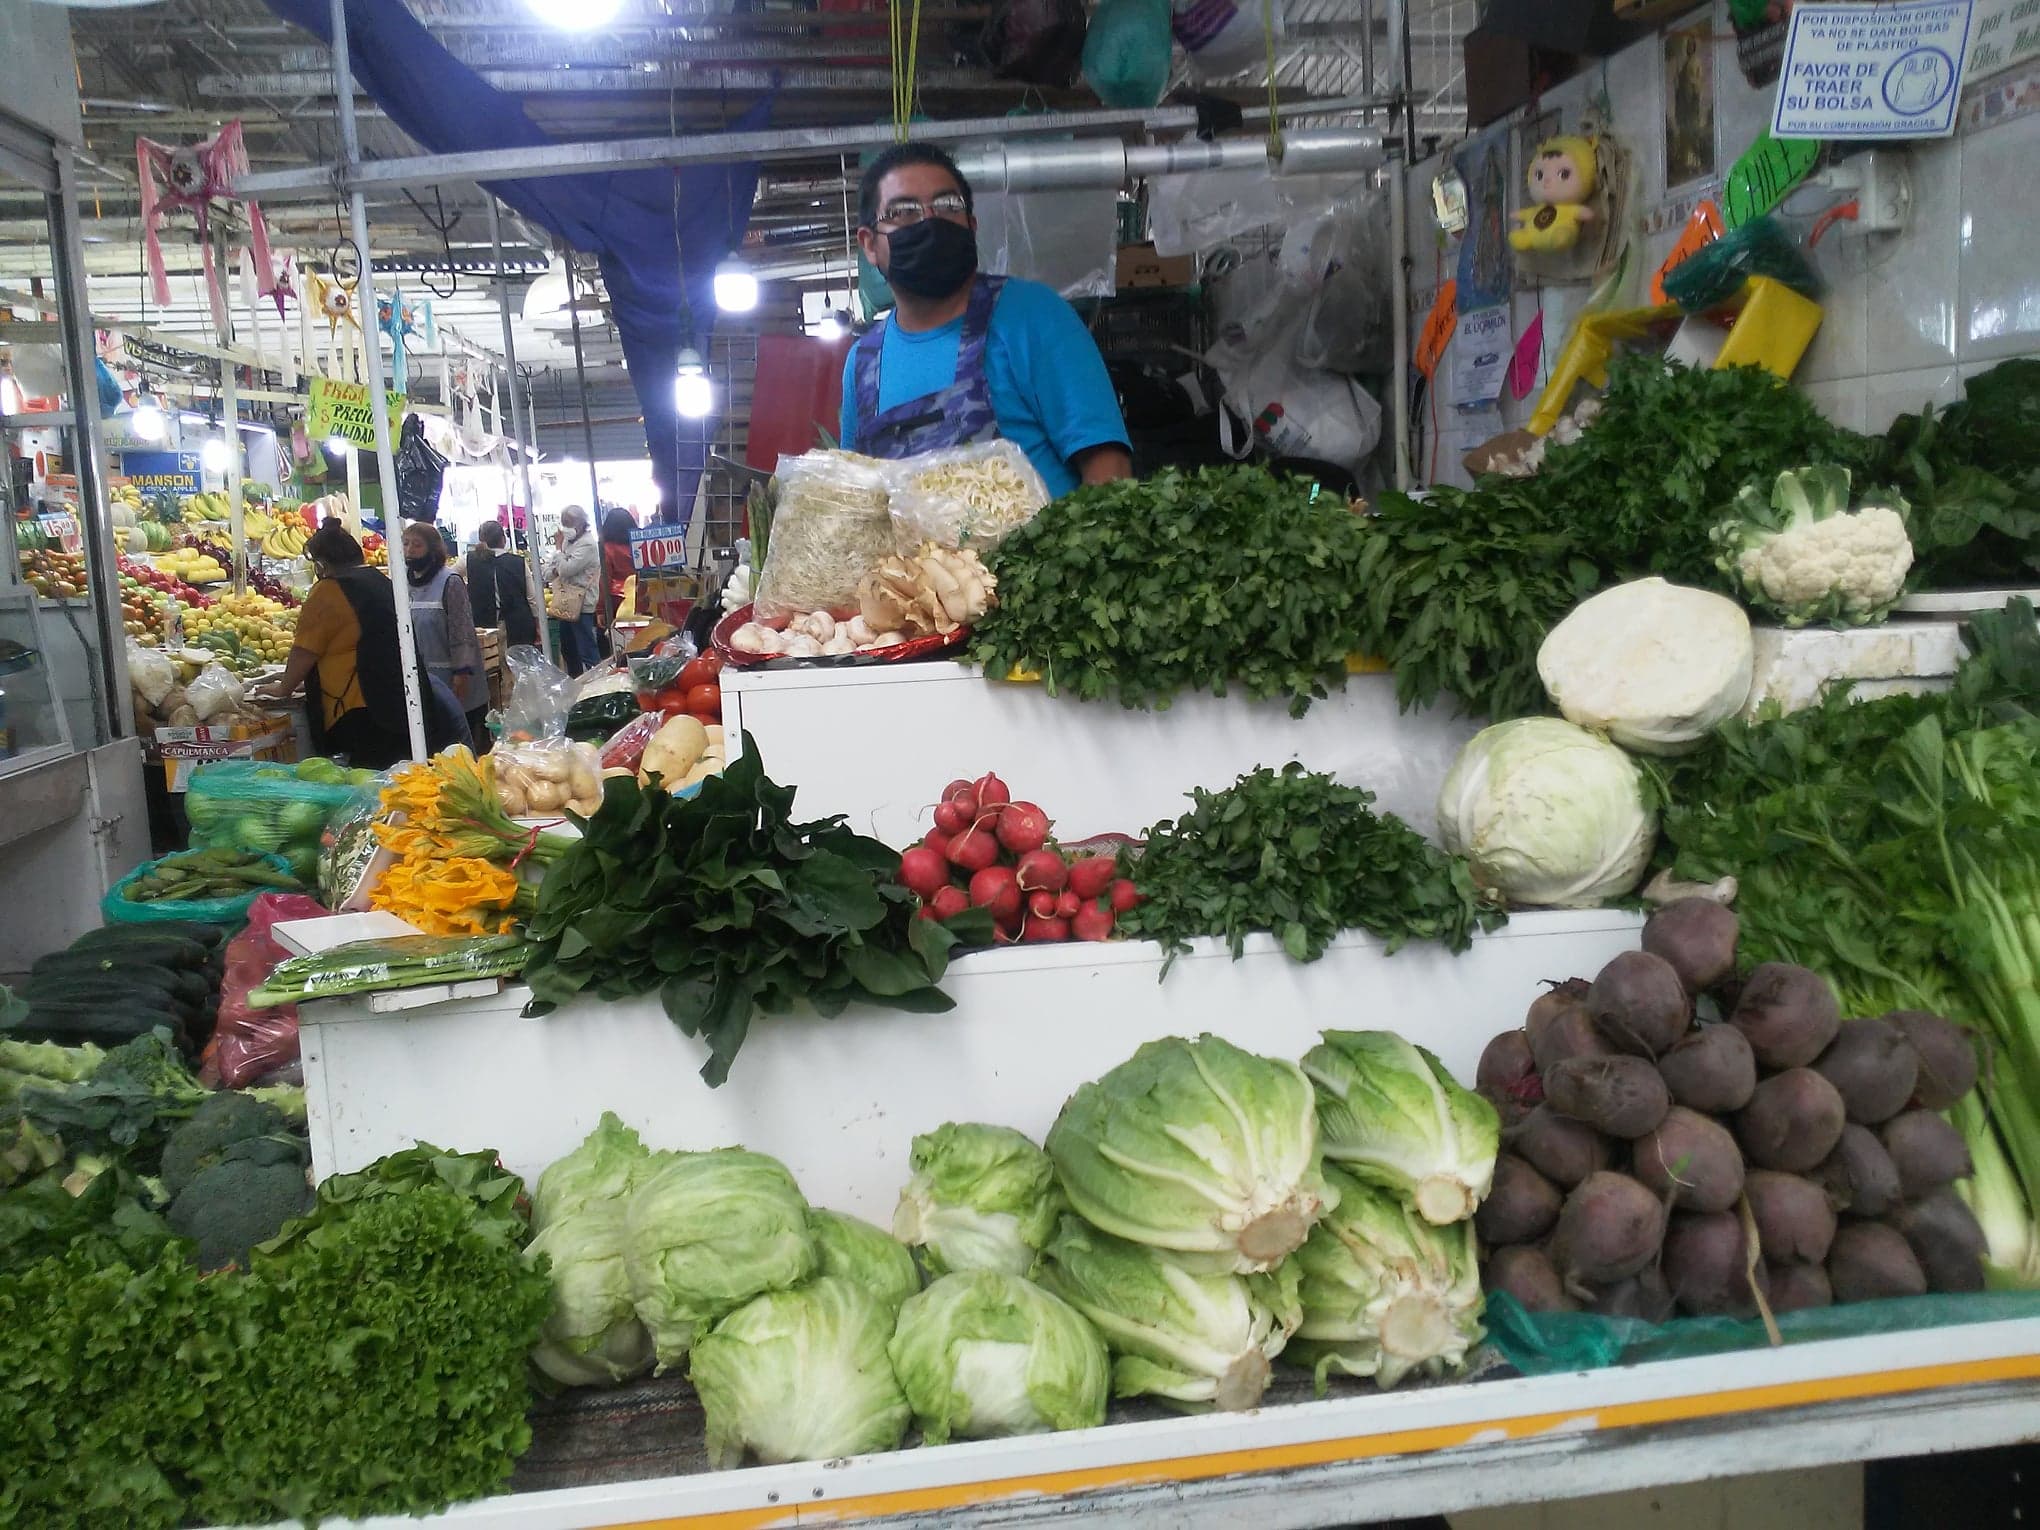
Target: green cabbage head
{"type": "Point", "coordinates": [1199, 1148]}
{"type": "Point", "coordinates": [593, 1337]}
{"type": "Point", "coordinates": [1547, 815]}
{"type": "Point", "coordinates": [799, 1375]}
{"type": "Point", "coordinates": [706, 1232]}
{"type": "Point", "coordinates": [1384, 1292]}
{"type": "Point", "coordinates": [985, 1354]}
{"type": "Point", "coordinates": [981, 1198]}
{"type": "Point", "coordinates": [866, 1256]}
{"type": "Point", "coordinates": [1389, 1113]}
{"type": "Point", "coordinates": [1201, 1341]}
{"type": "Point", "coordinates": [607, 1166]}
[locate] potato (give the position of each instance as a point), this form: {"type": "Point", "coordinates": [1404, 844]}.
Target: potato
{"type": "Point", "coordinates": [1690, 1162]}
{"type": "Point", "coordinates": [1793, 1217]}
{"type": "Point", "coordinates": [1869, 1261]}
{"type": "Point", "coordinates": [1789, 1014]}
{"type": "Point", "coordinates": [1873, 1067]}
{"type": "Point", "coordinates": [1707, 1256]}
{"type": "Point", "coordinates": [1638, 1003]}
{"type": "Point", "coordinates": [1622, 1096]}
{"type": "Point", "coordinates": [1711, 1069]}
{"type": "Point", "coordinates": [1793, 1121]}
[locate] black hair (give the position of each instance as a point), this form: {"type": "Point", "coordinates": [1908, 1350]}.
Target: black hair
{"type": "Point", "coordinates": [331, 547]}
{"type": "Point", "coordinates": [895, 158]}
{"type": "Point", "coordinates": [617, 525]}
{"type": "Point", "coordinates": [490, 533]}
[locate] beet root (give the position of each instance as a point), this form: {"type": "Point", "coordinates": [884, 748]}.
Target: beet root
{"type": "Point", "coordinates": [1711, 1070]}
{"type": "Point", "coordinates": [1945, 1237]}
{"type": "Point", "coordinates": [1797, 1287]}
{"type": "Point", "coordinates": [1639, 1004]}
{"type": "Point", "coordinates": [1858, 1176]}
{"type": "Point", "coordinates": [1567, 1035]}
{"type": "Point", "coordinates": [1697, 937]}
{"type": "Point", "coordinates": [1707, 1265]}
{"type": "Point", "coordinates": [1927, 1152]}
{"type": "Point", "coordinates": [1622, 1096]}
{"type": "Point", "coordinates": [1947, 1057]}
{"type": "Point", "coordinates": [1561, 999]}
{"type": "Point", "coordinates": [1690, 1162]}
{"type": "Point", "coordinates": [1643, 1296]}
{"type": "Point", "coordinates": [1507, 1076]}
{"type": "Point", "coordinates": [1795, 1223]}
{"type": "Point", "coordinates": [1869, 1261]}
{"type": "Point", "coordinates": [1789, 1014]}
{"type": "Point", "coordinates": [1527, 1275]}
{"type": "Point", "coordinates": [1792, 1122]}
{"type": "Point", "coordinates": [1564, 1151]}
{"type": "Point", "coordinates": [1610, 1228]}
{"type": "Point", "coordinates": [1521, 1206]}
{"type": "Point", "coordinates": [1873, 1067]}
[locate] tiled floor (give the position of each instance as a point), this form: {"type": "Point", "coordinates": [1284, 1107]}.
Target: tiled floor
{"type": "Point", "coordinates": [1829, 1498]}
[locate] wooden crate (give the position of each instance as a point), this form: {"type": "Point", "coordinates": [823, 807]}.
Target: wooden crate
{"type": "Point", "coordinates": [492, 664]}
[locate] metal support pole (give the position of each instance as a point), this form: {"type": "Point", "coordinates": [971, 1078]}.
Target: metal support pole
{"type": "Point", "coordinates": [378, 400]}
{"type": "Point", "coordinates": [519, 419]}
{"type": "Point", "coordinates": [1398, 234]}
{"type": "Point", "coordinates": [237, 519]}
{"type": "Point", "coordinates": [587, 437]}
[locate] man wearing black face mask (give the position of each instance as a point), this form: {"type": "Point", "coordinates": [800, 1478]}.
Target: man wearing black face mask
{"type": "Point", "coordinates": [967, 357]}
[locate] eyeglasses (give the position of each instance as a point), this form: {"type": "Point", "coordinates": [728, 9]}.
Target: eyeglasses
{"type": "Point", "coordinates": [906, 212]}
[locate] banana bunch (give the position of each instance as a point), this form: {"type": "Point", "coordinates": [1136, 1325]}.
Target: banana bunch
{"type": "Point", "coordinates": [210, 506]}
{"type": "Point", "coordinates": [255, 525]}
{"type": "Point", "coordinates": [285, 539]}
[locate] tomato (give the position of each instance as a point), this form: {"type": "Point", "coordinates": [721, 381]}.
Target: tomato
{"type": "Point", "coordinates": [706, 670]}
{"type": "Point", "coordinates": [705, 698]}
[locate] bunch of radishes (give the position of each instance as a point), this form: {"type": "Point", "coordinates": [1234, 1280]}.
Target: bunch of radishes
{"type": "Point", "coordinates": [988, 851]}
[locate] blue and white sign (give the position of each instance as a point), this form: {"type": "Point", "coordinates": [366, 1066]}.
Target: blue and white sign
{"type": "Point", "coordinates": [653, 548]}
{"type": "Point", "coordinates": [1872, 71]}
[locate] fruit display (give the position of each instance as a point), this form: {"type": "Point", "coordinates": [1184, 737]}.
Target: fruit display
{"type": "Point", "coordinates": [284, 539]}
{"type": "Point", "coordinates": [210, 506]}
{"type": "Point", "coordinates": [164, 582]}
{"type": "Point", "coordinates": [141, 611]}
{"type": "Point", "coordinates": [124, 505]}
{"type": "Point", "coordinates": [375, 550]}
{"type": "Point", "coordinates": [246, 631]}
{"type": "Point", "coordinates": [195, 567]}
{"type": "Point", "coordinates": [54, 574]}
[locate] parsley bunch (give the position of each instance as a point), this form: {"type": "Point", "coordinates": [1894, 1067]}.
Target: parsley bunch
{"type": "Point", "coordinates": [1294, 853]}
{"type": "Point", "coordinates": [1182, 582]}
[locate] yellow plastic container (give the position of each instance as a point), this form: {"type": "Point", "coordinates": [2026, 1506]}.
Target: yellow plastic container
{"type": "Point", "coordinates": [1772, 327]}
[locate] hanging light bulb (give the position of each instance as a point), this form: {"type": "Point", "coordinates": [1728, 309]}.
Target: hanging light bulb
{"type": "Point", "coordinates": [575, 15]}
{"type": "Point", "coordinates": [693, 395]}
{"type": "Point", "coordinates": [736, 289]}
{"type": "Point", "coordinates": [340, 446]}
{"type": "Point", "coordinates": [830, 327]}
{"type": "Point", "coordinates": [214, 455]}
{"type": "Point", "coordinates": [147, 422]}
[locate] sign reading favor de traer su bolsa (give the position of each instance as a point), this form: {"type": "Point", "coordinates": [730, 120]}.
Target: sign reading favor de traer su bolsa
{"type": "Point", "coordinates": [1872, 71]}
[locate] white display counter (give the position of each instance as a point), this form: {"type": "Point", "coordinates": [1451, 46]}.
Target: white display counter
{"type": "Point", "coordinates": [878, 744]}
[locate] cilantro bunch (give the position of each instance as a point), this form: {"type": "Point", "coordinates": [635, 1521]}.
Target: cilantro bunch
{"type": "Point", "coordinates": [1182, 582]}
{"type": "Point", "coordinates": [1297, 855]}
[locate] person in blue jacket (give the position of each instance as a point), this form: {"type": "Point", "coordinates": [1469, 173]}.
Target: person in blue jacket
{"type": "Point", "coordinates": [966, 357]}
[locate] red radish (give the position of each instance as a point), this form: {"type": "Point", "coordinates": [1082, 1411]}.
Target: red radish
{"type": "Point", "coordinates": [1124, 895]}
{"type": "Point", "coordinates": [950, 818]}
{"type": "Point", "coordinates": [1092, 923]}
{"type": "Point", "coordinates": [973, 850]}
{"type": "Point", "coordinates": [1042, 869]}
{"type": "Point", "coordinates": [995, 888]}
{"type": "Point", "coordinates": [966, 800]}
{"type": "Point", "coordinates": [1042, 930]}
{"type": "Point", "coordinates": [1067, 904]}
{"type": "Point", "coordinates": [926, 911]}
{"type": "Point", "coordinates": [924, 871]}
{"type": "Point", "coordinates": [1008, 930]}
{"type": "Point", "coordinates": [1042, 905]}
{"type": "Point", "coordinates": [1090, 876]}
{"type": "Point", "coordinates": [1023, 827]}
{"type": "Point", "coordinates": [991, 791]}
{"type": "Point", "coordinates": [954, 787]}
{"type": "Point", "coordinates": [948, 902]}
{"type": "Point", "coordinates": [937, 841]}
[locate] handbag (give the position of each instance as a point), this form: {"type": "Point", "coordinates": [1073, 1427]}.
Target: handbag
{"type": "Point", "coordinates": [566, 601]}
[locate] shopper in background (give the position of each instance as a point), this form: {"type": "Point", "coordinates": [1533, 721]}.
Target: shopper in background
{"type": "Point", "coordinates": [443, 626]}
{"type": "Point", "coordinates": [498, 589]}
{"type": "Point", "coordinates": [345, 655]}
{"type": "Point", "coordinates": [617, 526]}
{"type": "Point", "coordinates": [573, 588]}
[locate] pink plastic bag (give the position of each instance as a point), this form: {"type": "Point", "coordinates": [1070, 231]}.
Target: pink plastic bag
{"type": "Point", "coordinates": [250, 1044]}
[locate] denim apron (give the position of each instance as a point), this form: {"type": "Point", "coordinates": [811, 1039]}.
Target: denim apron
{"type": "Point", "coordinates": [953, 416]}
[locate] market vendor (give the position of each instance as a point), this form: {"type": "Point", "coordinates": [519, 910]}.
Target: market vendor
{"type": "Point", "coordinates": [968, 357]}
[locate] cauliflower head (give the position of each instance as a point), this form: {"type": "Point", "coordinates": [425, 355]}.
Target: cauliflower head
{"type": "Point", "coordinates": [1801, 553]}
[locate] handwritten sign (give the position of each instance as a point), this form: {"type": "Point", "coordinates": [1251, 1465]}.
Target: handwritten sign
{"type": "Point", "coordinates": [653, 548]}
{"type": "Point", "coordinates": [1438, 329]}
{"type": "Point", "coordinates": [2004, 33]}
{"type": "Point", "coordinates": [1765, 176]}
{"type": "Point", "coordinates": [343, 409]}
{"type": "Point", "coordinates": [61, 529]}
{"type": "Point", "coordinates": [1872, 71]}
{"type": "Point", "coordinates": [162, 472]}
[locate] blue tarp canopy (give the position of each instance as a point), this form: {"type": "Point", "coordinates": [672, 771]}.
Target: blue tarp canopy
{"type": "Point", "coordinates": [644, 226]}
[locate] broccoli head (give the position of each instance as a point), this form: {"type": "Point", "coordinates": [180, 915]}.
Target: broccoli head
{"type": "Point", "coordinates": [223, 1120]}
{"type": "Point", "coordinates": [244, 1199]}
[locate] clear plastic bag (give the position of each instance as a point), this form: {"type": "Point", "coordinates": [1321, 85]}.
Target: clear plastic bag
{"type": "Point", "coordinates": [248, 806]}
{"type": "Point", "coordinates": [402, 961]}
{"type": "Point", "coordinates": [626, 747]}
{"type": "Point", "coordinates": [214, 691]}
{"type": "Point", "coordinates": [251, 1042]}
{"type": "Point", "coordinates": [832, 525]}
{"type": "Point", "coordinates": [540, 694]}
{"type": "Point", "coordinates": [964, 496]}
{"type": "Point", "coordinates": [547, 777]}
{"type": "Point", "coordinates": [346, 850]}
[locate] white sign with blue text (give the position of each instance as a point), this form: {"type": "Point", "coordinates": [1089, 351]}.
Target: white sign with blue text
{"type": "Point", "coordinates": [1872, 71]}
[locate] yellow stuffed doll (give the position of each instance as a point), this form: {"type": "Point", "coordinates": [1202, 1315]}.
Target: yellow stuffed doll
{"type": "Point", "coordinates": [1561, 179]}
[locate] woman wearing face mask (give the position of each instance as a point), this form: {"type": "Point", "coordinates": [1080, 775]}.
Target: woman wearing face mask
{"type": "Point", "coordinates": [573, 589]}
{"type": "Point", "coordinates": [443, 626]}
{"type": "Point", "coordinates": [967, 357]}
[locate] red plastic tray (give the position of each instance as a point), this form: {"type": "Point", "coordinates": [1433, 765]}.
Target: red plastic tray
{"type": "Point", "coordinates": [933, 646]}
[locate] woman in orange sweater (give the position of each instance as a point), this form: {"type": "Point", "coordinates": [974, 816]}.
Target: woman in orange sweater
{"type": "Point", "coordinates": [617, 526]}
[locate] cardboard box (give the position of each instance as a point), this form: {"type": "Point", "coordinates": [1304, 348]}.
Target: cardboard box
{"type": "Point", "coordinates": [1140, 266]}
{"type": "Point", "coordinates": [183, 750]}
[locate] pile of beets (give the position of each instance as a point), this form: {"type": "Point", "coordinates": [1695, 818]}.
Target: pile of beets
{"type": "Point", "coordinates": [1655, 1162]}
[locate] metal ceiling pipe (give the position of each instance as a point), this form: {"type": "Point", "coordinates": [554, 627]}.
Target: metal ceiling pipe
{"type": "Point", "coordinates": [1101, 163]}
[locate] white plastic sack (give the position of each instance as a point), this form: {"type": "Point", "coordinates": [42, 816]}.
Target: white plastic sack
{"type": "Point", "coordinates": [1224, 38]}
{"type": "Point", "coordinates": [1292, 410]}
